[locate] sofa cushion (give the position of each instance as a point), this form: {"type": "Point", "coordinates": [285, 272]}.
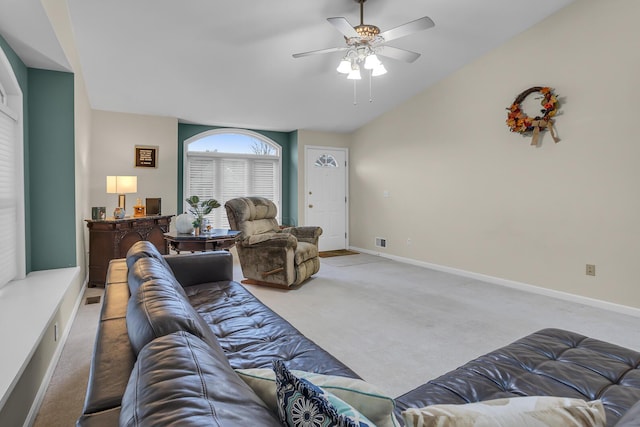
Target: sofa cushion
{"type": "Point", "coordinates": [117, 272]}
{"type": "Point", "coordinates": [114, 302]}
{"type": "Point", "coordinates": [145, 269]}
{"type": "Point", "coordinates": [532, 411]}
{"type": "Point", "coordinates": [144, 249]}
{"type": "Point", "coordinates": [301, 403]}
{"type": "Point", "coordinates": [113, 357]}
{"type": "Point", "coordinates": [252, 335]}
{"type": "Point", "coordinates": [364, 397]}
{"type": "Point", "coordinates": [550, 362]}
{"type": "Point", "coordinates": [158, 309]}
{"type": "Point", "coordinates": [177, 381]}
{"type": "Point", "coordinates": [111, 365]}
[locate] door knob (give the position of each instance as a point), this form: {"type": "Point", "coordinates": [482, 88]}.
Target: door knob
{"type": "Point", "coordinates": [310, 206]}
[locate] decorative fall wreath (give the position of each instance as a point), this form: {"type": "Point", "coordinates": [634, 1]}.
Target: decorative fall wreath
{"type": "Point", "coordinates": [519, 122]}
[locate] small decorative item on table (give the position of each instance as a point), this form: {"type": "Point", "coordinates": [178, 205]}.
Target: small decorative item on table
{"type": "Point", "coordinates": [184, 223]}
{"type": "Point", "coordinates": [200, 209]}
{"type": "Point", "coordinates": [118, 213]}
{"type": "Point", "coordinates": [138, 209]}
{"type": "Point", "coordinates": [98, 212]}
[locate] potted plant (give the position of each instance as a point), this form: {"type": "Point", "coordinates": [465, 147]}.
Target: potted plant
{"type": "Point", "coordinates": [200, 209]}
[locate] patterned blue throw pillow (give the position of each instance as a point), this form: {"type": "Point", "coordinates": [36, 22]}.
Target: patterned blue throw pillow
{"type": "Point", "coordinates": [302, 404]}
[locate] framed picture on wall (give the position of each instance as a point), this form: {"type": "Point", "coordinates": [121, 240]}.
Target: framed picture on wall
{"type": "Point", "coordinates": [146, 156]}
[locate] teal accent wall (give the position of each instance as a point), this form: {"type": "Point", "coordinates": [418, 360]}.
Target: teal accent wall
{"type": "Point", "coordinates": [289, 143]}
{"type": "Point", "coordinates": [51, 170]}
{"type": "Point", "coordinates": [293, 184]}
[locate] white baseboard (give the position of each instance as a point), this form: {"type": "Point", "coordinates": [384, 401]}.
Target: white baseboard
{"type": "Point", "coordinates": [37, 402]}
{"type": "Point", "coordinates": [619, 308]}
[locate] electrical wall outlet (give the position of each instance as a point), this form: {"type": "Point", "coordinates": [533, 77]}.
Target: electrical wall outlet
{"type": "Point", "coordinates": [381, 242]}
{"type": "Point", "coordinates": [409, 242]}
{"type": "Point", "coordinates": [591, 270]}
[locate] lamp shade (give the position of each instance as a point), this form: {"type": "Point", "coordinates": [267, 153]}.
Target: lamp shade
{"type": "Point", "coordinates": [122, 184]}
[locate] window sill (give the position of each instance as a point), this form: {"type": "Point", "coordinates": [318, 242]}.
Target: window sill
{"type": "Point", "coordinates": [27, 307]}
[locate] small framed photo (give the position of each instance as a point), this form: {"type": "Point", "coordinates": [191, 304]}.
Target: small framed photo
{"type": "Point", "coordinates": [146, 156]}
{"type": "Point", "coordinates": [98, 213]}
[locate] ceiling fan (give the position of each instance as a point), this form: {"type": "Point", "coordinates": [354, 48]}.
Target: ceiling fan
{"type": "Point", "coordinates": [364, 42]}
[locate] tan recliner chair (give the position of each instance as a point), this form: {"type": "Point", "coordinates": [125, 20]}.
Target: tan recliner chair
{"type": "Point", "coordinates": [270, 255]}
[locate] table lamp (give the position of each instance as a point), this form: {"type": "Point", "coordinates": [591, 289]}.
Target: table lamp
{"type": "Point", "coordinates": [121, 185]}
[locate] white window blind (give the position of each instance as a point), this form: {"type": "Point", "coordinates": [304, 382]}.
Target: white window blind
{"type": "Point", "coordinates": [265, 179]}
{"type": "Point", "coordinates": [224, 177]}
{"type": "Point", "coordinates": [8, 199]}
{"type": "Point", "coordinates": [202, 173]}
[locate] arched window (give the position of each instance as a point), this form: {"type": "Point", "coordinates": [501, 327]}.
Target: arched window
{"type": "Point", "coordinates": [12, 223]}
{"type": "Point", "coordinates": [326, 161]}
{"type": "Point", "coordinates": [228, 163]}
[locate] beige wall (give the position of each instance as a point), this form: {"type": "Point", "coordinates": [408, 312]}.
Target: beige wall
{"type": "Point", "coordinates": [113, 139]}
{"type": "Point", "coordinates": [314, 138]}
{"type": "Point", "coordinates": [473, 196]}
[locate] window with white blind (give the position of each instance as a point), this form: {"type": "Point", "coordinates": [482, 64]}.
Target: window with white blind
{"type": "Point", "coordinates": [12, 256]}
{"type": "Point", "coordinates": [226, 163]}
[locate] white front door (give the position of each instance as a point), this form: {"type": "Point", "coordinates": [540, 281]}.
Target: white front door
{"type": "Point", "coordinates": [326, 194]}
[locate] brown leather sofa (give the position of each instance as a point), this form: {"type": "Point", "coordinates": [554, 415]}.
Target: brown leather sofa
{"type": "Point", "coordinates": [188, 325]}
{"type": "Point", "coordinates": [550, 362]}
{"type": "Point", "coordinates": [186, 314]}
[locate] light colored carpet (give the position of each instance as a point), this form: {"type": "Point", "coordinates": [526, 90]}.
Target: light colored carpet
{"type": "Point", "coordinates": [399, 325]}
{"type": "Point", "coordinates": [64, 398]}
{"type": "Point", "coordinates": [396, 325]}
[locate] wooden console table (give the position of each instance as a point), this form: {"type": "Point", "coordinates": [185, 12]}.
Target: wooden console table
{"type": "Point", "coordinates": [214, 240]}
{"type": "Point", "coordinates": [111, 238]}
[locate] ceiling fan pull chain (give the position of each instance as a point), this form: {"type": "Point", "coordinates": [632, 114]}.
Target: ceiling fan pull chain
{"type": "Point", "coordinates": [370, 86]}
{"type": "Point", "coordinates": [355, 98]}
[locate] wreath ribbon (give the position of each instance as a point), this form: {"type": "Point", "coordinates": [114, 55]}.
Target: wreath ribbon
{"type": "Point", "coordinates": [537, 125]}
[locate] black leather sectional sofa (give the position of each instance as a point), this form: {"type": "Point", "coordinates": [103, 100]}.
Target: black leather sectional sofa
{"type": "Point", "coordinates": [173, 329]}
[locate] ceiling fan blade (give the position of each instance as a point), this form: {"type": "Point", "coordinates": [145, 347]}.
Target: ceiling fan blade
{"type": "Point", "coordinates": [316, 52]}
{"type": "Point", "coordinates": [343, 26]}
{"type": "Point", "coordinates": [399, 54]}
{"type": "Point", "coordinates": [403, 30]}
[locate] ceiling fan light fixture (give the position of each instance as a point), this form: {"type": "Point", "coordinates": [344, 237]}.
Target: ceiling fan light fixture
{"type": "Point", "coordinates": [379, 70]}
{"type": "Point", "coordinates": [362, 43]}
{"type": "Point", "coordinates": [354, 74]}
{"type": "Point", "coordinates": [371, 62]}
{"type": "Point", "coordinates": [344, 67]}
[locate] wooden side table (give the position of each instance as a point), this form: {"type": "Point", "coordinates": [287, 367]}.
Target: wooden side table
{"type": "Point", "coordinates": [111, 238]}
{"type": "Point", "coordinates": [214, 240]}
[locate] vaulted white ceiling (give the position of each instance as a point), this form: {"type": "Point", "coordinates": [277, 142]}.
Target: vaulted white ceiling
{"type": "Point", "coordinates": [229, 63]}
